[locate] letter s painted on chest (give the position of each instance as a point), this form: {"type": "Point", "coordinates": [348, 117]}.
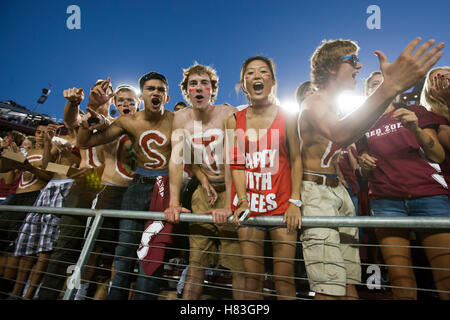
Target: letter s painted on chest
{"type": "Point", "coordinates": [157, 159]}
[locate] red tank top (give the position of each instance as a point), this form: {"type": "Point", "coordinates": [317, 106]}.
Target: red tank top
{"type": "Point", "coordinates": [267, 168]}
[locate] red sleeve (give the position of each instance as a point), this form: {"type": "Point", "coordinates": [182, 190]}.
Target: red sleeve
{"type": "Point", "coordinates": [426, 118]}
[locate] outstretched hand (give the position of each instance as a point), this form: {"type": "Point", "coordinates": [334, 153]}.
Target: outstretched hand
{"type": "Point", "coordinates": [410, 67]}
{"type": "Point", "coordinates": [98, 95]}
{"type": "Point", "coordinates": [440, 88]}
{"type": "Point", "coordinates": [94, 121]}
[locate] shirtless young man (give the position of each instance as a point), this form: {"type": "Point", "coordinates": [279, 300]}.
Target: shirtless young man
{"type": "Point", "coordinates": [334, 68]}
{"type": "Point", "coordinates": [39, 231]}
{"type": "Point", "coordinates": [202, 128]}
{"type": "Point", "coordinates": [120, 162]}
{"type": "Point", "coordinates": [31, 182]}
{"type": "Point", "coordinates": [149, 131]}
{"type": "Point", "coordinates": [81, 195]}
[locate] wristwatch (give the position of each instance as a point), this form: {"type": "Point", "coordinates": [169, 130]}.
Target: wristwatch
{"type": "Point", "coordinates": [297, 203]}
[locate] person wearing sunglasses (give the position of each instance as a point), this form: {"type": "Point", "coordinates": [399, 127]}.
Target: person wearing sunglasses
{"type": "Point", "coordinates": [400, 155]}
{"type": "Point", "coordinates": [334, 67]}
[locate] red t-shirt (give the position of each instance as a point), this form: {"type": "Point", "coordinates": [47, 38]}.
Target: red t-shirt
{"type": "Point", "coordinates": [267, 168]}
{"type": "Point", "coordinates": [402, 171]}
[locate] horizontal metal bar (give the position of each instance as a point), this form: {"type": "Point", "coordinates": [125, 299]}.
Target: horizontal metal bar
{"type": "Point", "coordinates": [326, 222]}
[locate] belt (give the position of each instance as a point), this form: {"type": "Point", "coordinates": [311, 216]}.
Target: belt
{"type": "Point", "coordinates": [219, 187]}
{"type": "Point", "coordinates": [322, 180]}
{"type": "Point", "coordinates": [144, 179]}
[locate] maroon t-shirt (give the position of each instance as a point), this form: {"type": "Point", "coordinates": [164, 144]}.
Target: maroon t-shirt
{"type": "Point", "coordinates": [346, 169]}
{"type": "Point", "coordinates": [402, 171]}
{"type": "Point", "coordinates": [7, 189]}
{"type": "Point", "coordinates": [445, 166]}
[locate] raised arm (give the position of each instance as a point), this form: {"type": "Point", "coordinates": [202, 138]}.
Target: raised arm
{"type": "Point", "coordinates": [105, 132]}
{"type": "Point", "coordinates": [50, 151]}
{"type": "Point", "coordinates": [71, 115]}
{"type": "Point", "coordinates": [409, 68]}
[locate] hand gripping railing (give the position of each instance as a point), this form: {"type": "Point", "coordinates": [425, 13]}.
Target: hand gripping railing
{"type": "Point", "coordinates": [357, 221]}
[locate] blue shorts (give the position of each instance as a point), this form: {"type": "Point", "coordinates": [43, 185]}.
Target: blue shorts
{"type": "Point", "coordinates": [432, 206]}
{"type": "Point", "coordinates": [270, 228]}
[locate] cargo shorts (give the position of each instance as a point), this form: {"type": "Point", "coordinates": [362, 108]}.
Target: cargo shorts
{"type": "Point", "coordinates": [331, 254]}
{"type": "Point", "coordinates": [210, 243]}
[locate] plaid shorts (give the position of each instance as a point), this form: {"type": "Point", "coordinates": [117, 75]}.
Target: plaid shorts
{"type": "Point", "coordinates": [39, 231]}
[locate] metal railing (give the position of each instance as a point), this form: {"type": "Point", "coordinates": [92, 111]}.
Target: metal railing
{"type": "Point", "coordinates": [358, 221]}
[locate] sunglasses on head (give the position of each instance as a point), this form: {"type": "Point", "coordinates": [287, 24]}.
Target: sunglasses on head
{"type": "Point", "coordinates": [352, 59]}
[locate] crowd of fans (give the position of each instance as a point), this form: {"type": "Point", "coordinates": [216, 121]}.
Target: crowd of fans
{"type": "Point", "coordinates": [384, 159]}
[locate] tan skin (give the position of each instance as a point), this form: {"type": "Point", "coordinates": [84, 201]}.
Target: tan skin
{"type": "Point", "coordinates": [12, 175]}
{"type": "Point", "coordinates": [72, 119]}
{"type": "Point", "coordinates": [100, 98]}
{"type": "Point", "coordinates": [395, 242]}
{"type": "Point", "coordinates": [319, 112]}
{"type": "Point", "coordinates": [31, 170]}
{"type": "Point", "coordinates": [61, 154]}
{"type": "Point", "coordinates": [35, 167]}
{"type": "Point", "coordinates": [251, 238]}
{"type": "Point", "coordinates": [319, 123]}
{"type": "Point", "coordinates": [127, 104]}
{"type": "Point", "coordinates": [439, 88]}
{"type": "Point", "coordinates": [186, 127]}
{"type": "Point", "coordinates": [153, 117]}
{"type": "Point", "coordinates": [211, 118]}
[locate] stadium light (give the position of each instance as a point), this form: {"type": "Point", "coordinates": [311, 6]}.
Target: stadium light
{"type": "Point", "coordinates": [43, 97]}
{"type": "Point", "coordinates": [290, 106]}
{"type": "Point", "coordinates": [348, 102]}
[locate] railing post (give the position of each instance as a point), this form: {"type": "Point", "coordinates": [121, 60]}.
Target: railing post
{"type": "Point", "coordinates": [74, 281]}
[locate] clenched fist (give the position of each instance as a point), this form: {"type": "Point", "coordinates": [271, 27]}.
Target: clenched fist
{"type": "Point", "coordinates": [74, 95]}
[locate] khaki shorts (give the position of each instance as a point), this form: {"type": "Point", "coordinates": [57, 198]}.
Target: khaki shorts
{"type": "Point", "coordinates": [209, 243]}
{"type": "Point", "coordinates": [331, 260]}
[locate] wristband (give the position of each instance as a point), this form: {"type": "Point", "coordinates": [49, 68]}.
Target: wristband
{"type": "Point", "coordinates": [297, 203]}
{"type": "Point", "coordinates": [241, 201]}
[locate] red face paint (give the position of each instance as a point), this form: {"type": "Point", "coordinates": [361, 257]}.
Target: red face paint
{"type": "Point", "coordinates": [208, 89]}
{"type": "Point", "coordinates": [191, 89]}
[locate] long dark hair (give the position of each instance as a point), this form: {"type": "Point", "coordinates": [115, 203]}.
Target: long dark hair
{"type": "Point", "coordinates": [269, 63]}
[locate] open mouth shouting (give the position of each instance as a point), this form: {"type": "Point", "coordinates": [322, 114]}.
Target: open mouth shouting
{"type": "Point", "coordinates": [199, 98]}
{"type": "Point", "coordinates": [156, 102]}
{"type": "Point", "coordinates": [258, 87]}
{"type": "Point", "coordinates": [126, 111]}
